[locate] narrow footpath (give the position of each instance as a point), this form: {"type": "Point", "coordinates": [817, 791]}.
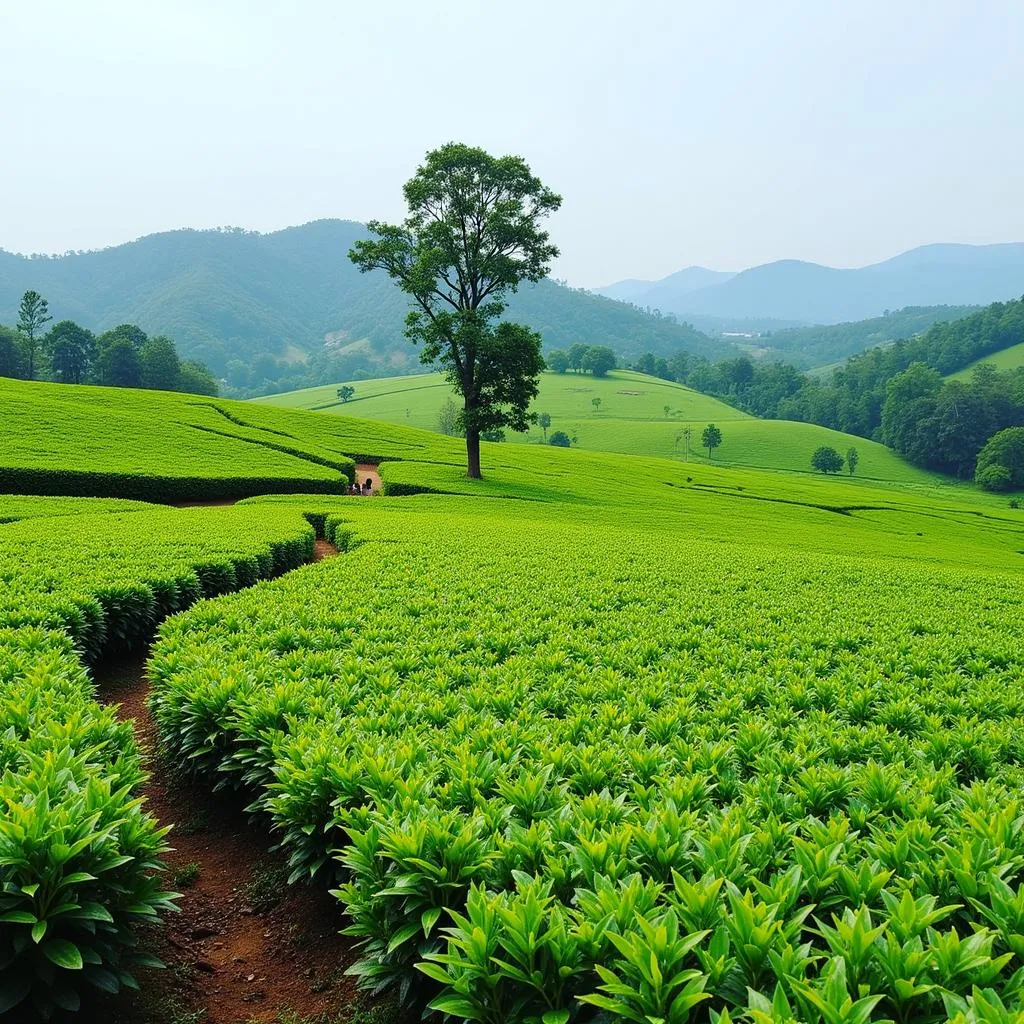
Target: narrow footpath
{"type": "Point", "coordinates": [246, 947]}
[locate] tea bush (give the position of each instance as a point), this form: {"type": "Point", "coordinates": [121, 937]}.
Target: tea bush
{"type": "Point", "coordinates": [80, 858]}
{"type": "Point", "coordinates": [558, 764]}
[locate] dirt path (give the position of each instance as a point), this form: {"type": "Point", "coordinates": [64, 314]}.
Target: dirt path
{"type": "Point", "coordinates": [246, 947]}
{"type": "Point", "coordinates": [365, 470]}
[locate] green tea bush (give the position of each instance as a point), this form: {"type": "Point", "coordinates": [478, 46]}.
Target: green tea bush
{"type": "Point", "coordinates": [80, 859]}
{"type": "Point", "coordinates": [556, 767]}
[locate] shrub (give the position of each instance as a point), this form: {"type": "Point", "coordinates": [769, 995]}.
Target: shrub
{"type": "Point", "coordinates": [560, 439]}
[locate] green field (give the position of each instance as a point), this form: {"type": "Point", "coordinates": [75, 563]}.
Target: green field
{"type": "Point", "coordinates": [1011, 358]}
{"type": "Point", "coordinates": [598, 717]}
{"type": "Point", "coordinates": [631, 420]}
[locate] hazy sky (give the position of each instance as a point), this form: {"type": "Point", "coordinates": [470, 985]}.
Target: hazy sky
{"type": "Point", "coordinates": [717, 133]}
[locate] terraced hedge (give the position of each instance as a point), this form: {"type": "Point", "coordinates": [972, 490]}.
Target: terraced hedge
{"type": "Point", "coordinates": [79, 854]}
{"type": "Point", "coordinates": [557, 770]}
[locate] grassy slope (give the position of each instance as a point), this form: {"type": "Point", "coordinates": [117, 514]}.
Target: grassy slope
{"type": "Point", "coordinates": [1008, 359]}
{"type": "Point", "coordinates": [631, 421]}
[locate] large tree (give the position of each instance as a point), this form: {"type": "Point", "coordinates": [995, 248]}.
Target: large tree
{"type": "Point", "coordinates": [472, 236]}
{"type": "Point", "coordinates": [72, 351]}
{"type": "Point", "coordinates": [161, 368]}
{"type": "Point", "coordinates": [33, 316]}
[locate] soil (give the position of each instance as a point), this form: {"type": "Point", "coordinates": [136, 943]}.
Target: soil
{"type": "Point", "coordinates": [366, 470]}
{"type": "Point", "coordinates": [246, 947]}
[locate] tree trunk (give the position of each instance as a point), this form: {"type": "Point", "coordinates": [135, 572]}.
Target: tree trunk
{"type": "Point", "coordinates": [473, 454]}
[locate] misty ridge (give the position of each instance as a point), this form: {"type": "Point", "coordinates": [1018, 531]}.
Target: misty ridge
{"type": "Point", "coordinates": [286, 309]}
{"type": "Point", "coordinates": [797, 292]}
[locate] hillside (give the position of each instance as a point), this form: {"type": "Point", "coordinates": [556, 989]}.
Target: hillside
{"type": "Point", "coordinates": [479, 677]}
{"type": "Point", "coordinates": [1010, 358]}
{"type": "Point", "coordinates": [794, 290]}
{"type": "Point", "coordinates": [825, 344]}
{"type": "Point", "coordinates": [630, 420]}
{"type": "Point", "coordinates": [286, 309]}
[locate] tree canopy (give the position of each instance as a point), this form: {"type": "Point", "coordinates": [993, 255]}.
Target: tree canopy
{"type": "Point", "coordinates": [711, 438]}
{"type": "Point", "coordinates": [1001, 461]}
{"type": "Point", "coordinates": [826, 460]}
{"type": "Point", "coordinates": [472, 235]}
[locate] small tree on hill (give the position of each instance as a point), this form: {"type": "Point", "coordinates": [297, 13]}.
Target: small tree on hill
{"type": "Point", "coordinates": [345, 392]}
{"type": "Point", "coordinates": [560, 439]}
{"type": "Point", "coordinates": [852, 458]}
{"type": "Point", "coordinates": [826, 460]}
{"type": "Point", "coordinates": [596, 403]}
{"type": "Point", "coordinates": [711, 438]}
{"type": "Point", "coordinates": [33, 315]}
{"type": "Point", "coordinates": [667, 409]}
{"type": "Point", "coordinates": [544, 421]}
{"type": "Point", "coordinates": [472, 236]}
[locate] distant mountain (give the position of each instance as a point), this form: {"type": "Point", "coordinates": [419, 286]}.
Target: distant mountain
{"type": "Point", "coordinates": [664, 294]}
{"type": "Point", "coordinates": [288, 309]}
{"type": "Point", "coordinates": [792, 290]}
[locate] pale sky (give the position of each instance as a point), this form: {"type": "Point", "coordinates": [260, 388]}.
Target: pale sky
{"type": "Point", "coordinates": [721, 133]}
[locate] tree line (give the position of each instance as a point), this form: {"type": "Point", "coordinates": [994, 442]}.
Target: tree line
{"type": "Point", "coordinates": [598, 360]}
{"type": "Point", "coordinates": [897, 395]}
{"type": "Point", "coordinates": [66, 352]}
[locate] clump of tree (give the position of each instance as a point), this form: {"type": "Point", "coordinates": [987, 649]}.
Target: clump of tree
{"type": "Point", "coordinates": [599, 360]}
{"type": "Point", "coordinates": [560, 439]}
{"type": "Point", "coordinates": [123, 357]}
{"type": "Point", "coordinates": [1001, 461]}
{"type": "Point", "coordinates": [471, 237]}
{"type": "Point", "coordinates": [826, 460]}
{"type": "Point", "coordinates": [711, 438]}
{"type": "Point", "coordinates": [944, 424]}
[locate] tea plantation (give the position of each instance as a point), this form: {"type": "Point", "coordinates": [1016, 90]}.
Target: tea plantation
{"type": "Point", "coordinates": [593, 739]}
{"type": "Point", "coordinates": [636, 415]}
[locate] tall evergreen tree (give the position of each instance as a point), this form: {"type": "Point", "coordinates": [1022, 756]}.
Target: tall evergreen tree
{"type": "Point", "coordinates": [33, 316]}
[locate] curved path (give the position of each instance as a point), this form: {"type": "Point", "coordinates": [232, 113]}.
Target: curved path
{"type": "Point", "coordinates": [246, 946]}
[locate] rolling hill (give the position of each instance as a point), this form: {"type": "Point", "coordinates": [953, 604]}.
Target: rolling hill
{"type": "Point", "coordinates": [1011, 358]}
{"type": "Point", "coordinates": [794, 290]}
{"type": "Point", "coordinates": [631, 420]}
{"type": "Point", "coordinates": [288, 308]}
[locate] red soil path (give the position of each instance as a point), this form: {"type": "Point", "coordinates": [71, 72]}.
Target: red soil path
{"type": "Point", "coordinates": [245, 947]}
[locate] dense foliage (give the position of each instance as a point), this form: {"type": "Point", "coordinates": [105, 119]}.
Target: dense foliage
{"type": "Point", "coordinates": [944, 424]}
{"type": "Point", "coordinates": [122, 357]}
{"type": "Point", "coordinates": [79, 855]}
{"type": "Point", "coordinates": [555, 764]}
{"type": "Point", "coordinates": [1001, 462]}
{"type": "Point", "coordinates": [822, 344]}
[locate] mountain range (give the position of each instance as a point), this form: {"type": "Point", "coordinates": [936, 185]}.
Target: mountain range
{"type": "Point", "coordinates": [288, 308]}
{"type": "Point", "coordinates": [797, 292]}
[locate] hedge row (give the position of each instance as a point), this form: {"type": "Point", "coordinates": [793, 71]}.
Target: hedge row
{"type": "Point", "coordinates": [80, 858]}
